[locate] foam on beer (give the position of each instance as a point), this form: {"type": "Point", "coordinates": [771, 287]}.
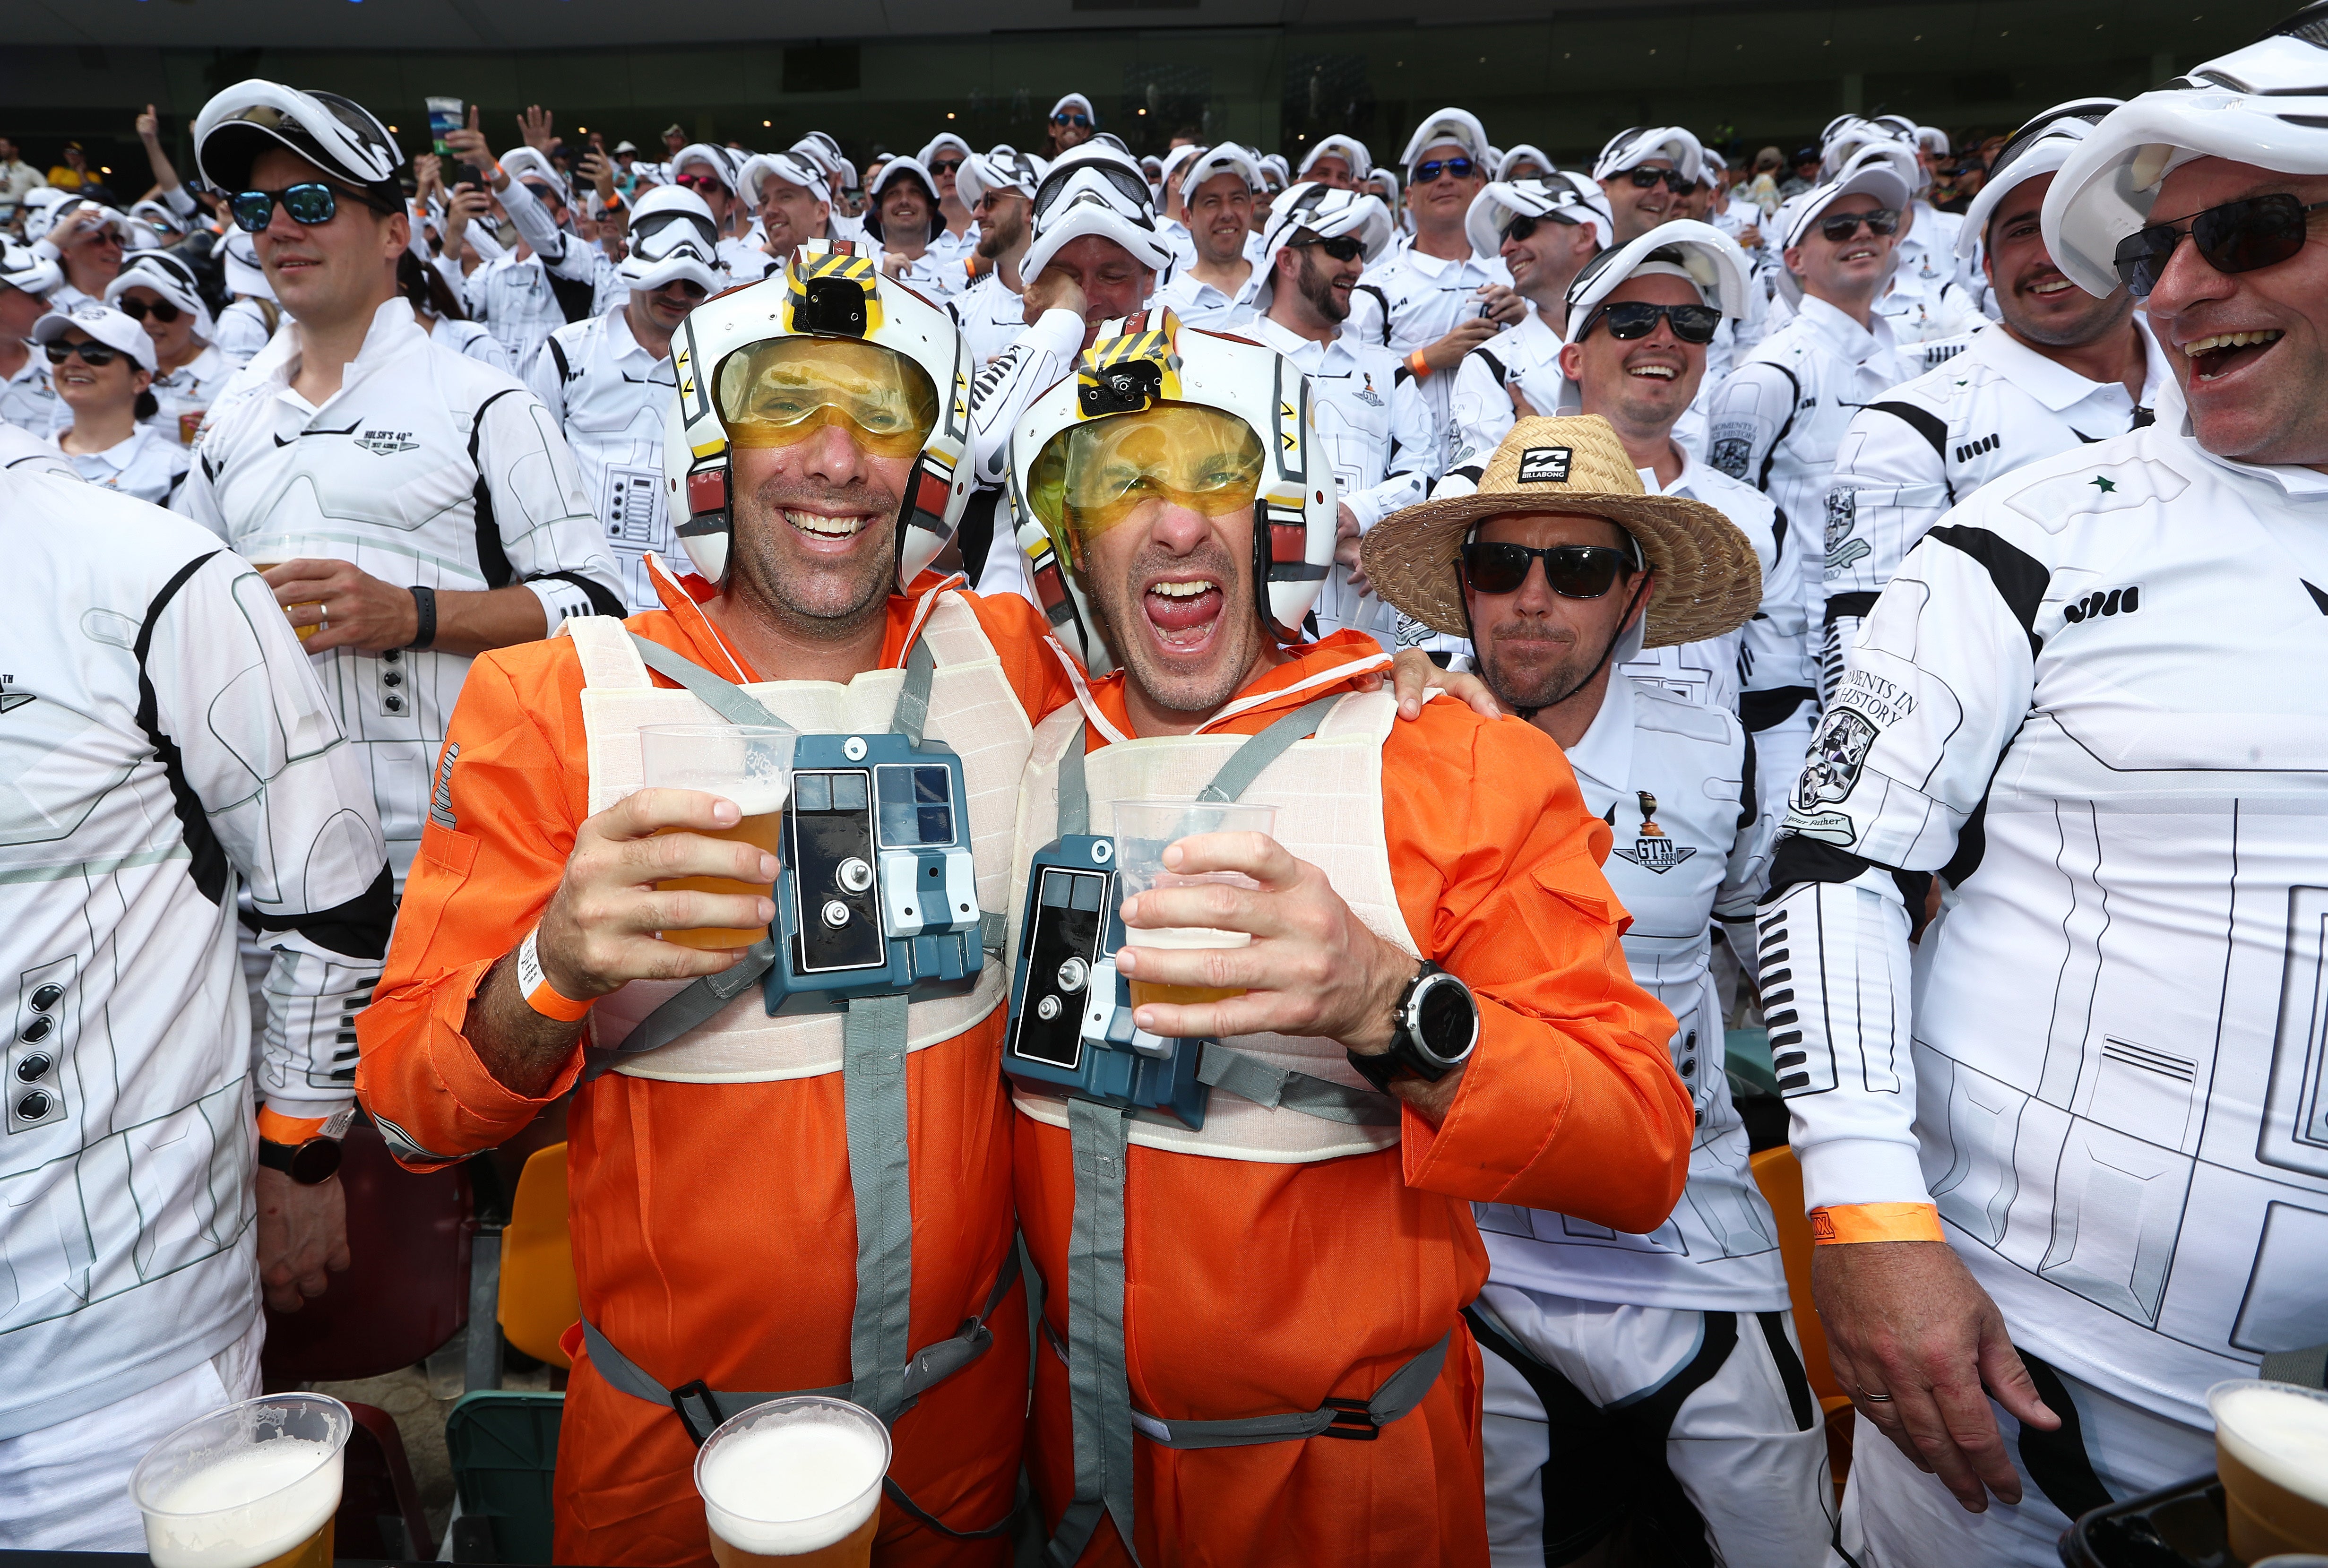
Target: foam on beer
{"type": "Point", "coordinates": [1184, 938]}
{"type": "Point", "coordinates": [247, 1507]}
{"type": "Point", "coordinates": [755, 798]}
{"type": "Point", "coordinates": [2282, 1437]}
{"type": "Point", "coordinates": [788, 1486]}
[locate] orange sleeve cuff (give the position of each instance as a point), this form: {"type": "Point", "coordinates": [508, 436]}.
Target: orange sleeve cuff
{"type": "Point", "coordinates": [277, 1128]}
{"type": "Point", "coordinates": [1875, 1222]}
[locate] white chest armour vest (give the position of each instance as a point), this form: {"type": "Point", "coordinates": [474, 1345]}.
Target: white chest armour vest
{"type": "Point", "coordinates": [972, 709]}
{"type": "Point", "coordinates": [1327, 791]}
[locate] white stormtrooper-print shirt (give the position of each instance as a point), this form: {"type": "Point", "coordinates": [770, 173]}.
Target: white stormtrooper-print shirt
{"type": "Point", "coordinates": [162, 742]}
{"type": "Point", "coordinates": [2088, 700]}
{"type": "Point", "coordinates": [1479, 404]}
{"type": "Point", "coordinates": [1409, 300]}
{"type": "Point", "coordinates": [610, 396]}
{"type": "Point", "coordinates": [426, 467]}
{"type": "Point", "coordinates": [1929, 444]}
{"type": "Point", "coordinates": [1673, 778]}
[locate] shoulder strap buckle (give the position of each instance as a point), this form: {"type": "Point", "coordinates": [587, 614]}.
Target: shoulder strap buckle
{"type": "Point", "coordinates": [1352, 1421]}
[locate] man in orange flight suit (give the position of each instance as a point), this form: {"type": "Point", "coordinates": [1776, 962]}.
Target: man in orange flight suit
{"type": "Point", "coordinates": [714, 1216]}
{"type": "Point", "coordinates": [1272, 1262]}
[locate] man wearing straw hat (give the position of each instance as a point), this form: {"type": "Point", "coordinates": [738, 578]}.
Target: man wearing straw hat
{"type": "Point", "coordinates": [1645, 1384]}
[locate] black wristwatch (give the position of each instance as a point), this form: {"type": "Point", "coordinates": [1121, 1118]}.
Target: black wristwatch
{"type": "Point", "coordinates": [424, 605]}
{"type": "Point", "coordinates": [1435, 1023]}
{"type": "Point", "coordinates": [310, 1164]}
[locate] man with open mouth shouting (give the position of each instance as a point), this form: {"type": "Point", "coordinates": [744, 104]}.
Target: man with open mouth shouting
{"type": "Point", "coordinates": [1278, 1258]}
{"type": "Point", "coordinates": [2073, 1175]}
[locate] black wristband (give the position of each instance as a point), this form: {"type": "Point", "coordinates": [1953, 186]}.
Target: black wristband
{"type": "Point", "coordinates": [424, 601]}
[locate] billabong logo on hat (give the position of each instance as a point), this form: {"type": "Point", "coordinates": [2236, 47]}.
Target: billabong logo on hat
{"type": "Point", "coordinates": [1545, 464]}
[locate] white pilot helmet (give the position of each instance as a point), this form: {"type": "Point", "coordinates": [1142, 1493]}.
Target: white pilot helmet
{"type": "Point", "coordinates": [2265, 104]}
{"type": "Point", "coordinates": [1151, 362]}
{"type": "Point", "coordinates": [1095, 188]}
{"type": "Point", "coordinates": [825, 290]}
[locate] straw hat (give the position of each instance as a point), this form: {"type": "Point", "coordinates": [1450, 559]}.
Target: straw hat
{"type": "Point", "coordinates": [1708, 580]}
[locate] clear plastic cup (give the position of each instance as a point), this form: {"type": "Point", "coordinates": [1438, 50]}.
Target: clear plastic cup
{"type": "Point", "coordinates": [2271, 1454]}
{"type": "Point", "coordinates": [255, 1485]}
{"type": "Point", "coordinates": [749, 764]}
{"type": "Point", "coordinates": [794, 1482]}
{"type": "Point", "coordinates": [1144, 829]}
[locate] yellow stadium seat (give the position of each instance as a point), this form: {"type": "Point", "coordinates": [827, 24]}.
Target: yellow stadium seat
{"type": "Point", "coordinates": [538, 1302]}
{"type": "Point", "coordinates": [1780, 1178]}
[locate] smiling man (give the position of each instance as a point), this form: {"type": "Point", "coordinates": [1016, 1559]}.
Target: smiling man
{"type": "Point", "coordinates": [1545, 231]}
{"type": "Point", "coordinates": [1228, 1295]}
{"type": "Point", "coordinates": [2068, 1180]}
{"type": "Point", "coordinates": [1648, 175]}
{"type": "Point", "coordinates": [1217, 202]}
{"type": "Point", "coordinates": [2064, 369]}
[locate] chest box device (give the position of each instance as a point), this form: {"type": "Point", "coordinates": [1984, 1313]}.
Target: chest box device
{"type": "Point", "coordinates": [1070, 1013]}
{"type": "Point", "coordinates": [878, 891]}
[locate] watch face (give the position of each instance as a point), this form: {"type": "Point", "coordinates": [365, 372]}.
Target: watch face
{"type": "Point", "coordinates": [1446, 1020]}
{"type": "Point", "coordinates": [316, 1161]}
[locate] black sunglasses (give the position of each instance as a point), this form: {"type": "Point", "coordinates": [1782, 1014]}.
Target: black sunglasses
{"type": "Point", "coordinates": [946, 165]}
{"type": "Point", "coordinates": [1842, 226]}
{"type": "Point", "coordinates": [1673, 180]}
{"type": "Point", "coordinates": [1341, 246]}
{"type": "Point", "coordinates": [309, 203]}
{"type": "Point", "coordinates": [1633, 318]}
{"type": "Point", "coordinates": [161, 310]}
{"type": "Point", "coordinates": [2236, 237]}
{"type": "Point", "coordinates": [1574, 571]}
{"type": "Point", "coordinates": [1462, 168]}
{"type": "Point", "coordinates": [1070, 120]}
{"type": "Point", "coordinates": [95, 356]}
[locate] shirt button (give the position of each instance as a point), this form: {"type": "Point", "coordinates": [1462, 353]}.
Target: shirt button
{"type": "Point", "coordinates": [393, 703]}
{"type": "Point", "coordinates": [392, 655]}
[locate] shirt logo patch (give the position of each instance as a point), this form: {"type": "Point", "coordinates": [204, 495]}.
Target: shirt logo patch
{"type": "Point", "coordinates": [1838, 751]}
{"type": "Point", "coordinates": [1653, 851]}
{"type": "Point", "coordinates": [1842, 520]}
{"type": "Point", "coordinates": [2095, 605]}
{"type": "Point", "coordinates": [12, 700]}
{"type": "Point", "coordinates": [387, 442]}
{"type": "Point", "coordinates": [440, 798]}
{"type": "Point", "coordinates": [1545, 464]}
{"type": "Point", "coordinates": [1367, 395]}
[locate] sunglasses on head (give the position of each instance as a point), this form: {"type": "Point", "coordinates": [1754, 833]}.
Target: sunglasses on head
{"type": "Point", "coordinates": [1574, 571]}
{"type": "Point", "coordinates": [1673, 180]}
{"type": "Point", "coordinates": [2236, 237]}
{"type": "Point", "coordinates": [1070, 120]}
{"type": "Point", "coordinates": [1839, 226]}
{"type": "Point", "coordinates": [1341, 246]}
{"type": "Point", "coordinates": [95, 356]}
{"type": "Point", "coordinates": [309, 202]}
{"type": "Point", "coordinates": [1632, 318]}
{"type": "Point", "coordinates": [946, 165]}
{"type": "Point", "coordinates": [161, 310]}
{"type": "Point", "coordinates": [1462, 168]}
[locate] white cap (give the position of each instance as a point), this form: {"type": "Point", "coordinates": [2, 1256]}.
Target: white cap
{"type": "Point", "coordinates": [531, 163]}
{"type": "Point", "coordinates": [244, 276]}
{"type": "Point", "coordinates": [1685, 248]}
{"type": "Point", "coordinates": [1275, 164]}
{"type": "Point", "coordinates": [938, 143]}
{"type": "Point", "coordinates": [1349, 149]}
{"type": "Point", "coordinates": [1095, 188]}
{"type": "Point", "coordinates": [1629, 149]}
{"type": "Point", "coordinates": [162, 272]}
{"type": "Point", "coordinates": [2265, 104]}
{"type": "Point", "coordinates": [1001, 168]}
{"type": "Point", "coordinates": [107, 325]}
{"type": "Point", "coordinates": [1173, 162]}
{"type": "Point", "coordinates": [721, 161]}
{"type": "Point", "coordinates": [22, 268]}
{"type": "Point", "coordinates": [673, 239]}
{"type": "Point", "coordinates": [1228, 158]}
{"type": "Point", "coordinates": [1566, 198]}
{"type": "Point", "coordinates": [1075, 101]}
{"type": "Point", "coordinates": [1849, 135]}
{"type": "Point", "coordinates": [1327, 212]}
{"type": "Point", "coordinates": [899, 168]}
{"type": "Point", "coordinates": [1871, 174]}
{"type": "Point", "coordinates": [792, 168]}
{"type": "Point", "coordinates": [333, 133]}
{"type": "Point", "coordinates": [2039, 147]}
{"type": "Point", "coordinates": [155, 215]}
{"type": "Point", "coordinates": [1460, 127]}
{"type": "Point", "coordinates": [1524, 152]}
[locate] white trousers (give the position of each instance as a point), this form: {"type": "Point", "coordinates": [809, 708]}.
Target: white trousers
{"type": "Point", "coordinates": [1894, 1516]}
{"type": "Point", "coordinates": [1735, 1444]}
{"type": "Point", "coordinates": [66, 1488]}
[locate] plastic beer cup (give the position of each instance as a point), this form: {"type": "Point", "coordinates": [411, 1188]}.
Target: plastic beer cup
{"type": "Point", "coordinates": [748, 763]}
{"type": "Point", "coordinates": [2271, 1454]}
{"type": "Point", "coordinates": [794, 1482]}
{"type": "Point", "coordinates": [1144, 829]}
{"type": "Point", "coordinates": [255, 1485]}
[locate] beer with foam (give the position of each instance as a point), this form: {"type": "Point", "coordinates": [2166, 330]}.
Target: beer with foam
{"type": "Point", "coordinates": [2271, 1454]}
{"type": "Point", "coordinates": [795, 1481]}
{"type": "Point", "coordinates": [750, 765]}
{"type": "Point", "coordinates": [253, 1485]}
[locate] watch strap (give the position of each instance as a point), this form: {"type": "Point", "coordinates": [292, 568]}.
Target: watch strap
{"type": "Point", "coordinates": [424, 605]}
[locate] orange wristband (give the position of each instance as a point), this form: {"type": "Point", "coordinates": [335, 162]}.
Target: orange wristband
{"type": "Point", "coordinates": [539, 993]}
{"type": "Point", "coordinates": [277, 1128]}
{"type": "Point", "coordinates": [1419, 365]}
{"type": "Point", "coordinates": [1875, 1222]}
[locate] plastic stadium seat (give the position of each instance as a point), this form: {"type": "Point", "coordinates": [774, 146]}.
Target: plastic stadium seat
{"type": "Point", "coordinates": [538, 1300]}
{"type": "Point", "coordinates": [379, 1516]}
{"type": "Point", "coordinates": [1780, 1178]}
{"type": "Point", "coordinates": [406, 1290]}
{"type": "Point", "coordinates": [503, 1446]}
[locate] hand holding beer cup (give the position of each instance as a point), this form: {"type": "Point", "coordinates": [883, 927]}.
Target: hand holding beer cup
{"type": "Point", "coordinates": [1226, 933]}
{"type": "Point", "coordinates": [748, 765]}
{"type": "Point", "coordinates": [796, 1481]}
{"type": "Point", "coordinates": [2271, 1454]}
{"type": "Point", "coordinates": [255, 1485]}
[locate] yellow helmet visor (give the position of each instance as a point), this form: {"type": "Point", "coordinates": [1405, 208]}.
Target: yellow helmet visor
{"type": "Point", "coordinates": [781, 392]}
{"type": "Point", "coordinates": [1097, 473]}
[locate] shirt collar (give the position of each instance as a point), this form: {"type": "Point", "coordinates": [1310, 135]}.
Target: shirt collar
{"type": "Point", "coordinates": [1840, 332]}
{"type": "Point", "coordinates": [2050, 382]}
{"type": "Point", "coordinates": [394, 331]}
{"type": "Point", "coordinates": [1605, 754]}
{"type": "Point", "coordinates": [2295, 480]}
{"type": "Point", "coordinates": [1294, 347]}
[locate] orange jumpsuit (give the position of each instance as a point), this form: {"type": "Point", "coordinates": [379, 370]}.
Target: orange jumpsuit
{"type": "Point", "coordinates": [714, 1225]}
{"type": "Point", "coordinates": [1254, 1289]}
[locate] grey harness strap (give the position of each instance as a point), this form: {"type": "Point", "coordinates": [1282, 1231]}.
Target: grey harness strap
{"type": "Point", "coordinates": [1098, 1381]}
